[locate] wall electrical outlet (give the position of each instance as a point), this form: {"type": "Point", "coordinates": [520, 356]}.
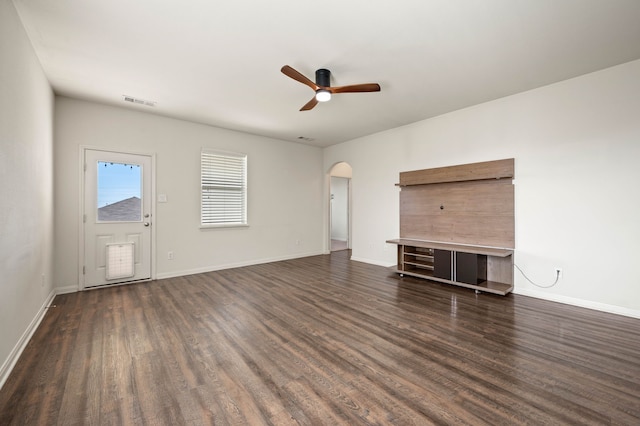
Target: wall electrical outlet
{"type": "Point", "coordinates": [558, 272]}
{"type": "Point", "coordinates": [170, 255]}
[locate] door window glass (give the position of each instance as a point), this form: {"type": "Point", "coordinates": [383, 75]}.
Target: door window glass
{"type": "Point", "coordinates": [119, 189]}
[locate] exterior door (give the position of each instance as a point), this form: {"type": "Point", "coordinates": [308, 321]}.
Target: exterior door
{"type": "Point", "coordinates": [116, 217]}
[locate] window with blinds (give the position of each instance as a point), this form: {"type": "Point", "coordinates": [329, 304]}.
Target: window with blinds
{"type": "Point", "coordinates": [224, 189]}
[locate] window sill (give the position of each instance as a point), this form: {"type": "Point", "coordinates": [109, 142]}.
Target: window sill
{"type": "Point", "coordinates": [223, 226]}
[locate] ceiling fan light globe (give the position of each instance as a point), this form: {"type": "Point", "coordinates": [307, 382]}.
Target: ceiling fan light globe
{"type": "Point", "coordinates": [323, 95]}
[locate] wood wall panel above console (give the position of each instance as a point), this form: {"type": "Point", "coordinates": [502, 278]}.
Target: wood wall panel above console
{"type": "Point", "coordinates": [498, 169]}
{"type": "Point", "coordinates": [477, 212]}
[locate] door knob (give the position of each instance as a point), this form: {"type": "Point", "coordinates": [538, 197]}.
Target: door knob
{"type": "Point", "coordinates": [146, 224]}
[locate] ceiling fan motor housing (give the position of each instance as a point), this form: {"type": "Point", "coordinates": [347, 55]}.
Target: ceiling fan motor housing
{"type": "Point", "coordinates": [323, 77]}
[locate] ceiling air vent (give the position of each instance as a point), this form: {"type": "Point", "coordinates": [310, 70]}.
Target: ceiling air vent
{"type": "Point", "coordinates": [138, 101]}
{"type": "Point", "coordinates": [306, 139]}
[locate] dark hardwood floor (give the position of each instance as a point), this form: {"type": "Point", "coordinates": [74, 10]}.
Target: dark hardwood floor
{"type": "Point", "coordinates": [321, 340]}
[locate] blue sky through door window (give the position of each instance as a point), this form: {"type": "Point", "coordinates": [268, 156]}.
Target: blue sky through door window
{"type": "Point", "coordinates": [117, 182]}
{"type": "Point", "coordinates": [119, 192]}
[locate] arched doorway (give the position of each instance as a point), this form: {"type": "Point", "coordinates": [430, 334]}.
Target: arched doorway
{"type": "Point", "coordinates": [340, 207]}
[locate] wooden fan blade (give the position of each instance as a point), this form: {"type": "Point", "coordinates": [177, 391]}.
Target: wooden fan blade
{"type": "Point", "coordinates": [309, 105]}
{"type": "Point", "coordinates": [290, 72]}
{"type": "Point", "coordinates": [354, 88]}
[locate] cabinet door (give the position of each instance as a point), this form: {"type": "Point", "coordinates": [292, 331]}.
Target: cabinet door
{"type": "Point", "coordinates": [442, 264]}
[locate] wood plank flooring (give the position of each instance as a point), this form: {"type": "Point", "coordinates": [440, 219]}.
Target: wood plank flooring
{"type": "Point", "coordinates": [321, 340]}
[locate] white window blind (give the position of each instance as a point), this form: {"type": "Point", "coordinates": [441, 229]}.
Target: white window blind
{"type": "Point", "coordinates": [224, 188]}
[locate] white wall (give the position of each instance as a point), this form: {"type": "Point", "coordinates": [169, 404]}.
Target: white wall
{"type": "Point", "coordinates": [26, 189]}
{"type": "Point", "coordinates": [285, 182]}
{"type": "Point", "coordinates": [576, 146]}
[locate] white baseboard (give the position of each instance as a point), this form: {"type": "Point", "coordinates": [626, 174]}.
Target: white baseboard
{"type": "Point", "coordinates": [205, 269]}
{"type": "Point", "coordinates": [66, 289]}
{"type": "Point", "coordinates": [10, 362]}
{"type": "Point", "coordinates": [373, 262]}
{"type": "Point", "coordinates": [612, 309]}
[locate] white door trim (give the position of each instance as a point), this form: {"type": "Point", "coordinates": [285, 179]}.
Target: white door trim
{"type": "Point", "coordinates": [81, 194]}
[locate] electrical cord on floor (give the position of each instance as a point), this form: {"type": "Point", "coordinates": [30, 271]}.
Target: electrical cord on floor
{"type": "Point", "coordinates": [538, 285]}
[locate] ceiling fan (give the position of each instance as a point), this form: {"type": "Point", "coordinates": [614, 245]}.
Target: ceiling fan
{"type": "Point", "coordinates": [323, 88]}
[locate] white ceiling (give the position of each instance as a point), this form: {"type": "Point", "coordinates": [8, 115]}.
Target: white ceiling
{"type": "Point", "coordinates": [218, 62]}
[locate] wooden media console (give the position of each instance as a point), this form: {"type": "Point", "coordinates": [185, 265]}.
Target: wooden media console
{"type": "Point", "coordinates": [457, 225]}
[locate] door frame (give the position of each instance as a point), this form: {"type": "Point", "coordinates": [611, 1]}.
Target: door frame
{"type": "Point", "coordinates": [81, 234]}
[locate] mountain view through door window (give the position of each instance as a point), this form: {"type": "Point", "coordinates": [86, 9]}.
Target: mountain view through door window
{"type": "Point", "coordinates": [119, 189]}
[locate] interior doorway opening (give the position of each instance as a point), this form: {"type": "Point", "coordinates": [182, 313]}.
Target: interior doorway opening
{"type": "Point", "coordinates": [340, 207]}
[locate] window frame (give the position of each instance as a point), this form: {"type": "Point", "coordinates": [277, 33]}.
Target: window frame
{"type": "Point", "coordinates": [220, 165]}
